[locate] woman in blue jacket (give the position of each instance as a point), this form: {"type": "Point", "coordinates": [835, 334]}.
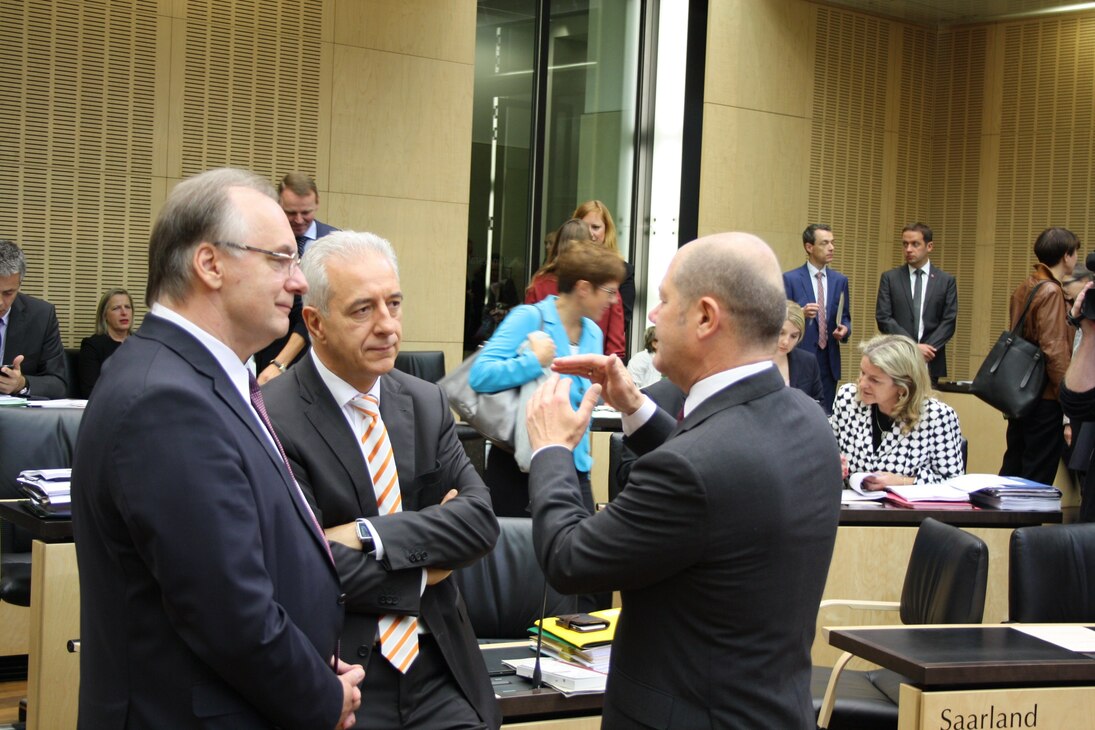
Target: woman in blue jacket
{"type": "Point", "coordinates": [526, 342]}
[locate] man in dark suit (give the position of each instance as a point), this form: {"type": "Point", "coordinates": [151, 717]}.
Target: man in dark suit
{"type": "Point", "coordinates": [208, 595]}
{"type": "Point", "coordinates": [394, 561]}
{"type": "Point", "coordinates": [30, 339]}
{"type": "Point", "coordinates": [813, 282]}
{"type": "Point", "coordinates": [919, 300]}
{"type": "Point", "coordinates": [720, 544]}
{"type": "Point", "coordinates": [299, 198]}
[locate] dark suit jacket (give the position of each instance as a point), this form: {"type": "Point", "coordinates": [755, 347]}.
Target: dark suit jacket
{"type": "Point", "coordinates": [894, 311]}
{"type": "Point", "coordinates": [33, 332]}
{"type": "Point", "coordinates": [800, 289]}
{"type": "Point", "coordinates": [670, 399]}
{"type": "Point", "coordinates": [720, 546]}
{"type": "Point", "coordinates": [296, 321]}
{"type": "Point", "coordinates": [327, 461]}
{"type": "Point", "coordinates": [803, 372]}
{"type": "Point", "coordinates": [94, 351]}
{"type": "Point", "coordinates": [207, 597]}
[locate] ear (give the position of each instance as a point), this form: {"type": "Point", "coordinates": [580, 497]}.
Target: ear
{"type": "Point", "coordinates": [314, 323]}
{"type": "Point", "coordinates": [710, 316]}
{"type": "Point", "coordinates": [208, 265]}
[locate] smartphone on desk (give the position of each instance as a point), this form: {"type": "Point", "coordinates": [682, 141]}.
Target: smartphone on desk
{"type": "Point", "coordinates": [581, 622]}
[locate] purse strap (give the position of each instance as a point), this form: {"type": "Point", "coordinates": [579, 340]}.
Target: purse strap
{"type": "Point", "coordinates": [1017, 330]}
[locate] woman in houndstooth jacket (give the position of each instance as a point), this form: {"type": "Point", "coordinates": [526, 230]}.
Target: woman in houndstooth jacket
{"type": "Point", "coordinates": [888, 424]}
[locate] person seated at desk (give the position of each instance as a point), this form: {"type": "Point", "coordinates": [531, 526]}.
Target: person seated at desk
{"type": "Point", "coordinates": [31, 353]}
{"type": "Point", "coordinates": [798, 368]}
{"type": "Point", "coordinates": [889, 425]}
{"type": "Point", "coordinates": [528, 340]}
{"type": "Point", "coordinates": [113, 324]}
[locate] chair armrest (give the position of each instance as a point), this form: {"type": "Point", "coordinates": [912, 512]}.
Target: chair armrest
{"type": "Point", "coordinates": [861, 605]}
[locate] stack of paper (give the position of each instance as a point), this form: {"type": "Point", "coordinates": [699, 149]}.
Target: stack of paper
{"type": "Point", "coordinates": [50, 491]}
{"type": "Point", "coordinates": [590, 649]}
{"type": "Point", "coordinates": [12, 400]}
{"type": "Point", "coordinates": [570, 679]}
{"type": "Point", "coordinates": [1022, 494]}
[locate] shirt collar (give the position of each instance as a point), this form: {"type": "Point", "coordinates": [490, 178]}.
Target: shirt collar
{"type": "Point", "coordinates": [712, 384]}
{"type": "Point", "coordinates": [230, 363]}
{"type": "Point", "coordinates": [813, 270]}
{"type": "Point", "coordinates": [310, 234]}
{"type": "Point", "coordinates": [926, 268]}
{"type": "Point", "coordinates": [342, 391]}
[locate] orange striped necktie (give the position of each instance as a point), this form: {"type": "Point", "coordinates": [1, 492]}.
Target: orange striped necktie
{"type": "Point", "coordinates": [398, 633]}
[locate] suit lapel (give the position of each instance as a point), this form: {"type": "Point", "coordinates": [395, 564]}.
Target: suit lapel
{"type": "Point", "coordinates": [326, 417]}
{"type": "Point", "coordinates": [15, 332]}
{"type": "Point", "coordinates": [397, 410]}
{"type": "Point", "coordinates": [204, 364]}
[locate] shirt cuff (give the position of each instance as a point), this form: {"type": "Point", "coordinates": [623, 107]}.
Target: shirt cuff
{"type": "Point", "coordinates": [549, 446]}
{"type": "Point", "coordinates": [633, 422]}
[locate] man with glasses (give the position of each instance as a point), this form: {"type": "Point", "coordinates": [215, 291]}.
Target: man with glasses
{"type": "Point", "coordinates": [31, 352]}
{"type": "Point", "coordinates": [299, 198]}
{"type": "Point", "coordinates": [208, 594]}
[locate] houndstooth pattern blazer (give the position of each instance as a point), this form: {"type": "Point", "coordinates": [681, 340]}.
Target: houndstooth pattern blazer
{"type": "Point", "coordinates": [931, 452]}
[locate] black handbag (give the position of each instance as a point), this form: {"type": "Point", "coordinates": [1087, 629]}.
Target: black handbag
{"type": "Point", "coordinates": [1013, 375]}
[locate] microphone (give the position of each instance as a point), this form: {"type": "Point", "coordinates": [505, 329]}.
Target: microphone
{"type": "Point", "coordinates": [537, 673]}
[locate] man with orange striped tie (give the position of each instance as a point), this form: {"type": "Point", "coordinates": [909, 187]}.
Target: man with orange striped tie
{"type": "Point", "coordinates": [375, 452]}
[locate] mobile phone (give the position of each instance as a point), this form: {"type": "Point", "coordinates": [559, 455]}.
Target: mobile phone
{"type": "Point", "coordinates": [7, 365]}
{"type": "Point", "coordinates": [581, 622]}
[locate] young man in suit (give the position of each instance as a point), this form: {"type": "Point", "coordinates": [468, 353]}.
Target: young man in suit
{"type": "Point", "coordinates": [208, 595]}
{"type": "Point", "coordinates": [299, 198]}
{"type": "Point", "coordinates": [919, 300]}
{"type": "Point", "coordinates": [720, 544]}
{"type": "Point", "coordinates": [813, 285]}
{"type": "Point", "coordinates": [30, 338]}
{"type": "Point", "coordinates": [394, 561]}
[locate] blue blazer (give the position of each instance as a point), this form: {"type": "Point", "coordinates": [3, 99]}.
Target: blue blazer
{"type": "Point", "coordinates": [800, 289]}
{"type": "Point", "coordinates": [803, 372]}
{"type": "Point", "coordinates": [503, 364]}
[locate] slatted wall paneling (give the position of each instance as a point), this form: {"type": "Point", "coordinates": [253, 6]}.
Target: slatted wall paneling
{"type": "Point", "coordinates": [956, 113]}
{"type": "Point", "coordinates": [252, 85]}
{"type": "Point", "coordinates": [1047, 145]}
{"type": "Point", "coordinates": [76, 148]}
{"type": "Point", "coordinates": [846, 153]}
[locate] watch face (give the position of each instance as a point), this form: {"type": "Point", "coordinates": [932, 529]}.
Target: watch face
{"type": "Point", "coordinates": [363, 533]}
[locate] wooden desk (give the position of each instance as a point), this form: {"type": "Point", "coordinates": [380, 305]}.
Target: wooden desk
{"type": "Point", "coordinates": [971, 676]}
{"type": "Point", "coordinates": [872, 551]}
{"type": "Point", "coordinates": [53, 674]}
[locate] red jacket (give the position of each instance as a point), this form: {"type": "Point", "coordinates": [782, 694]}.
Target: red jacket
{"type": "Point", "coordinates": [612, 324]}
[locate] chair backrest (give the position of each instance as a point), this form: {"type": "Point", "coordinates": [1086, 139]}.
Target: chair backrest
{"type": "Point", "coordinates": [72, 372]}
{"type": "Point", "coordinates": [504, 589]}
{"type": "Point", "coordinates": [426, 364]}
{"type": "Point", "coordinates": [947, 576]}
{"type": "Point", "coordinates": [1052, 574]}
{"type": "Point", "coordinates": [615, 456]}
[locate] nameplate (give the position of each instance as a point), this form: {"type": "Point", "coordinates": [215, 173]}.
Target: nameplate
{"type": "Point", "coordinates": [1047, 708]}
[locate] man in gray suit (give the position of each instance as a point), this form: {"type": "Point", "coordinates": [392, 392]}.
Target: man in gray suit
{"type": "Point", "coordinates": [30, 339]}
{"type": "Point", "coordinates": [400, 511]}
{"type": "Point", "coordinates": [720, 544]}
{"type": "Point", "coordinates": [919, 300]}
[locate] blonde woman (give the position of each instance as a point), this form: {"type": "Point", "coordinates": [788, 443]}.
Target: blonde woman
{"type": "Point", "coordinates": [798, 368]}
{"type": "Point", "coordinates": [887, 424]}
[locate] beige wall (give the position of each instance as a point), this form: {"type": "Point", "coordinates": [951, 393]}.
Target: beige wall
{"type": "Point", "coordinates": [819, 114]}
{"type": "Point", "coordinates": [109, 103]}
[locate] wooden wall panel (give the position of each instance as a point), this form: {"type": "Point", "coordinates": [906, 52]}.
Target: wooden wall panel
{"type": "Point", "coordinates": [77, 93]}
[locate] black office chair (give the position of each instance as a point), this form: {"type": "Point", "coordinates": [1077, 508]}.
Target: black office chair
{"type": "Point", "coordinates": [945, 583]}
{"type": "Point", "coordinates": [615, 456]}
{"type": "Point", "coordinates": [72, 372]}
{"type": "Point", "coordinates": [504, 589]}
{"type": "Point", "coordinates": [426, 364]}
{"type": "Point", "coordinates": [1052, 574]}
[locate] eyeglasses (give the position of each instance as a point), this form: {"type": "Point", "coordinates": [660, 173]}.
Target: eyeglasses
{"type": "Point", "coordinates": [610, 291]}
{"type": "Point", "coordinates": [286, 261]}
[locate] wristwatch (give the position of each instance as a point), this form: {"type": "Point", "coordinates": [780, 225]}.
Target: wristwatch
{"type": "Point", "coordinates": [366, 537]}
{"type": "Point", "coordinates": [1074, 321]}
{"type": "Point", "coordinates": [278, 365]}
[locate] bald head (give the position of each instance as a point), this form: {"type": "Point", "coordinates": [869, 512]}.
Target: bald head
{"type": "Point", "coordinates": [742, 273]}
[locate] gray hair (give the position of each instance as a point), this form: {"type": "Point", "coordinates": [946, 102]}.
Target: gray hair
{"type": "Point", "coordinates": [339, 245]}
{"type": "Point", "coordinates": [198, 209]}
{"type": "Point", "coordinates": [731, 269]}
{"type": "Point", "coordinates": [12, 260]}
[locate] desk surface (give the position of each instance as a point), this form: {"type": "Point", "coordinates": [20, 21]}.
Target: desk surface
{"type": "Point", "coordinates": [878, 513]}
{"type": "Point", "coordinates": [966, 655]}
{"type": "Point", "coordinates": [519, 701]}
{"type": "Point", "coordinates": [44, 529]}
